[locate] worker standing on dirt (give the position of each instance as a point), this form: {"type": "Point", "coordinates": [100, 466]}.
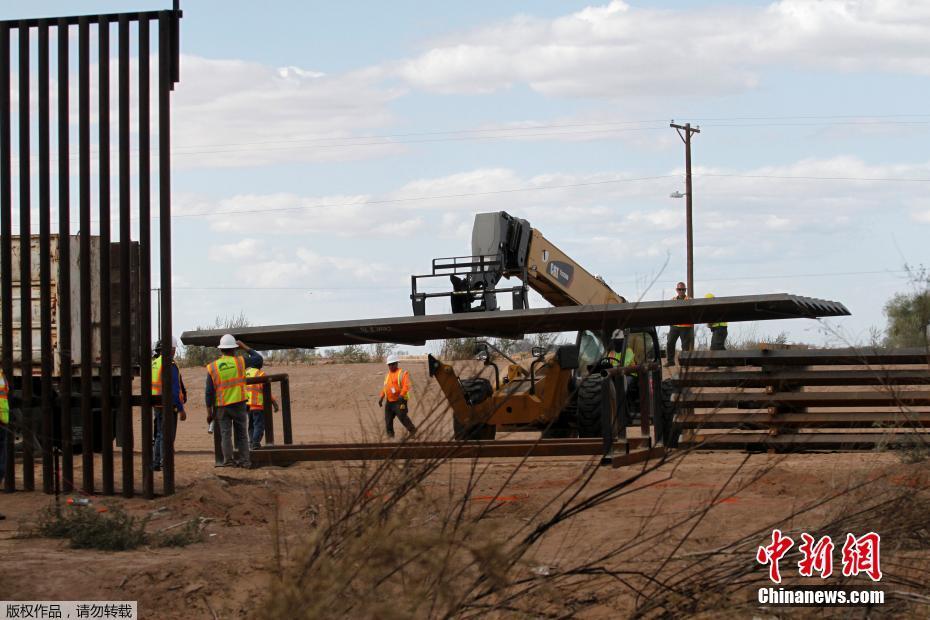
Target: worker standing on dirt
{"type": "Point", "coordinates": [718, 332]}
{"type": "Point", "coordinates": [178, 398]}
{"type": "Point", "coordinates": [396, 390]}
{"type": "Point", "coordinates": [227, 399]}
{"type": "Point", "coordinates": [257, 406]}
{"type": "Point", "coordinates": [683, 330]}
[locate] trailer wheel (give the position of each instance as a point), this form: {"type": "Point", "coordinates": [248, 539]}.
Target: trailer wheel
{"type": "Point", "coordinates": [589, 397]}
{"type": "Point", "coordinates": [476, 391]}
{"type": "Point", "coordinates": [669, 408]}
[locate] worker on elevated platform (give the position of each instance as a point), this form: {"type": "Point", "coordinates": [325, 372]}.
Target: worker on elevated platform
{"type": "Point", "coordinates": [227, 399]}
{"type": "Point", "coordinates": [396, 390]}
{"type": "Point", "coordinates": [718, 332]}
{"type": "Point", "coordinates": [685, 331]}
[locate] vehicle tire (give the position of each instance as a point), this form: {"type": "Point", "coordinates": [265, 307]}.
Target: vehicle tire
{"type": "Point", "coordinates": [476, 391]}
{"type": "Point", "coordinates": [590, 394]}
{"type": "Point", "coordinates": [669, 408]}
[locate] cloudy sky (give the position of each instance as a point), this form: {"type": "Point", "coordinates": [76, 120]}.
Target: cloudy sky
{"type": "Point", "coordinates": [323, 152]}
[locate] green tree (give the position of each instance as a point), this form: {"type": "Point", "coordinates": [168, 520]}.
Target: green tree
{"type": "Point", "coordinates": [908, 315]}
{"type": "Point", "coordinates": [195, 355]}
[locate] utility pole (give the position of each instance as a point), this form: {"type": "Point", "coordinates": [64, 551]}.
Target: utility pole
{"type": "Point", "coordinates": [684, 132]}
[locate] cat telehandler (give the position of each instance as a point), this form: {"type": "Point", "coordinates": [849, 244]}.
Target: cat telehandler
{"type": "Point", "coordinates": [593, 387]}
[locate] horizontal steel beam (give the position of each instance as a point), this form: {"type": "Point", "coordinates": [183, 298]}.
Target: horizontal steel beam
{"type": "Point", "coordinates": [419, 329]}
{"type": "Point", "coordinates": [889, 398]}
{"type": "Point", "coordinates": [820, 419]}
{"type": "Point", "coordinates": [436, 449]}
{"type": "Point", "coordinates": [758, 378]}
{"type": "Point", "coordinates": [73, 20]}
{"type": "Point", "coordinates": [811, 357]}
{"type": "Point", "coordinates": [808, 441]}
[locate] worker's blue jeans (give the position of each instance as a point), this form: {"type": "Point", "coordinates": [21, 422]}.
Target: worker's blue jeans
{"type": "Point", "coordinates": [158, 438]}
{"type": "Point", "coordinates": [256, 427]}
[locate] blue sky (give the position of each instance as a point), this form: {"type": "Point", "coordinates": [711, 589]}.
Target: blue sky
{"type": "Point", "coordinates": [359, 140]}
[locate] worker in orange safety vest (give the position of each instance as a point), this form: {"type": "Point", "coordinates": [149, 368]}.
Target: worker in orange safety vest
{"type": "Point", "coordinates": [256, 393]}
{"type": "Point", "coordinates": [396, 390]}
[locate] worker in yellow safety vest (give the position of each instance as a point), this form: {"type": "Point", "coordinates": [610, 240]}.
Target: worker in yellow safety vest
{"type": "Point", "coordinates": [227, 399]}
{"type": "Point", "coordinates": [685, 331]}
{"type": "Point", "coordinates": [256, 393]}
{"type": "Point", "coordinates": [718, 332]}
{"type": "Point", "coordinates": [4, 423]}
{"type": "Point", "coordinates": [178, 398]}
{"type": "Point", "coordinates": [396, 390]}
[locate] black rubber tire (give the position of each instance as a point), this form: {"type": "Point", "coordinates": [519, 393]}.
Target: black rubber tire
{"type": "Point", "coordinates": [669, 409]}
{"type": "Point", "coordinates": [476, 391]}
{"type": "Point", "coordinates": [588, 412]}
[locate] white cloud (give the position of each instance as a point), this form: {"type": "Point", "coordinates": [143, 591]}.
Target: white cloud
{"type": "Point", "coordinates": [618, 50]}
{"type": "Point", "coordinates": [238, 113]}
{"type": "Point", "coordinates": [234, 251]}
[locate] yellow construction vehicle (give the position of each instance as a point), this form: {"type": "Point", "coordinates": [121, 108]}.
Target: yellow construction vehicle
{"type": "Point", "coordinates": [591, 388]}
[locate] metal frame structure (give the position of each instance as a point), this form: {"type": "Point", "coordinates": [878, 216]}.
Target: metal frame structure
{"type": "Point", "coordinates": [776, 398]}
{"type": "Point", "coordinates": [38, 111]}
{"type": "Point", "coordinates": [461, 265]}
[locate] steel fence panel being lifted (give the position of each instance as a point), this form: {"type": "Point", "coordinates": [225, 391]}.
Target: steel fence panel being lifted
{"type": "Point", "coordinates": [88, 292]}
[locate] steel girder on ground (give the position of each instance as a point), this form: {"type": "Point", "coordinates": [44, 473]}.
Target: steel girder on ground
{"type": "Point", "coordinates": [416, 330]}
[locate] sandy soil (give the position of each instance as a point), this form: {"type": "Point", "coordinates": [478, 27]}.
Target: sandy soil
{"type": "Point", "coordinates": [226, 576]}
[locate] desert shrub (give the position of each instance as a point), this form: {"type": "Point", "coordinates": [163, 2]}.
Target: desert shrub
{"type": "Point", "coordinates": [458, 349]}
{"type": "Point", "coordinates": [191, 532]}
{"type": "Point", "coordinates": [112, 529]}
{"type": "Point", "coordinates": [380, 351]}
{"type": "Point", "coordinates": [350, 354]}
{"type": "Point", "coordinates": [86, 528]}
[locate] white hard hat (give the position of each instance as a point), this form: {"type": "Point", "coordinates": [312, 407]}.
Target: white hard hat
{"type": "Point", "coordinates": [392, 359]}
{"type": "Point", "coordinates": [174, 342]}
{"type": "Point", "coordinates": [228, 341]}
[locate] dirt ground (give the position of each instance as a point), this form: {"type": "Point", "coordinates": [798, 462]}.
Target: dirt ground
{"type": "Point", "coordinates": [228, 575]}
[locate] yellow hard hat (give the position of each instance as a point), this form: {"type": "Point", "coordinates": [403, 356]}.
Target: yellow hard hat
{"type": "Point", "coordinates": [709, 295]}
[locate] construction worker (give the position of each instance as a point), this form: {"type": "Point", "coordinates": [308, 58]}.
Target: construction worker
{"type": "Point", "coordinates": [396, 390]}
{"type": "Point", "coordinates": [256, 393]}
{"type": "Point", "coordinates": [683, 330]}
{"type": "Point", "coordinates": [178, 398]}
{"type": "Point", "coordinates": [227, 399]}
{"type": "Point", "coordinates": [4, 424]}
{"type": "Point", "coordinates": [718, 332]}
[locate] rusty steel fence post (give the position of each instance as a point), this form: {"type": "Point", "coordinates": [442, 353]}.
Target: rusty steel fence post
{"type": "Point", "coordinates": [64, 258]}
{"type": "Point", "coordinates": [125, 241]}
{"type": "Point", "coordinates": [145, 245]}
{"type": "Point", "coordinates": [6, 245]}
{"type": "Point", "coordinates": [268, 414]}
{"type": "Point", "coordinates": [120, 270]}
{"type": "Point", "coordinates": [286, 410]}
{"type": "Point", "coordinates": [106, 357]}
{"type": "Point", "coordinates": [85, 261]}
{"type": "Point", "coordinates": [166, 63]}
{"type": "Point", "coordinates": [25, 263]}
{"type": "Point", "coordinates": [45, 270]}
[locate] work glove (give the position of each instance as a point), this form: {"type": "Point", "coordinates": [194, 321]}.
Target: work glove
{"type": "Point", "coordinates": [274, 405]}
{"type": "Point", "coordinates": [209, 415]}
{"type": "Point", "coordinates": [403, 406]}
{"type": "Point", "coordinates": [381, 401]}
{"type": "Point", "coordinates": [182, 415]}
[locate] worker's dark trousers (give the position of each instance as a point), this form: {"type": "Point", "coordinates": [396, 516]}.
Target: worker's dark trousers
{"type": "Point", "coordinates": [718, 338]}
{"type": "Point", "coordinates": [159, 439]}
{"type": "Point", "coordinates": [392, 410]}
{"type": "Point", "coordinates": [687, 340]}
